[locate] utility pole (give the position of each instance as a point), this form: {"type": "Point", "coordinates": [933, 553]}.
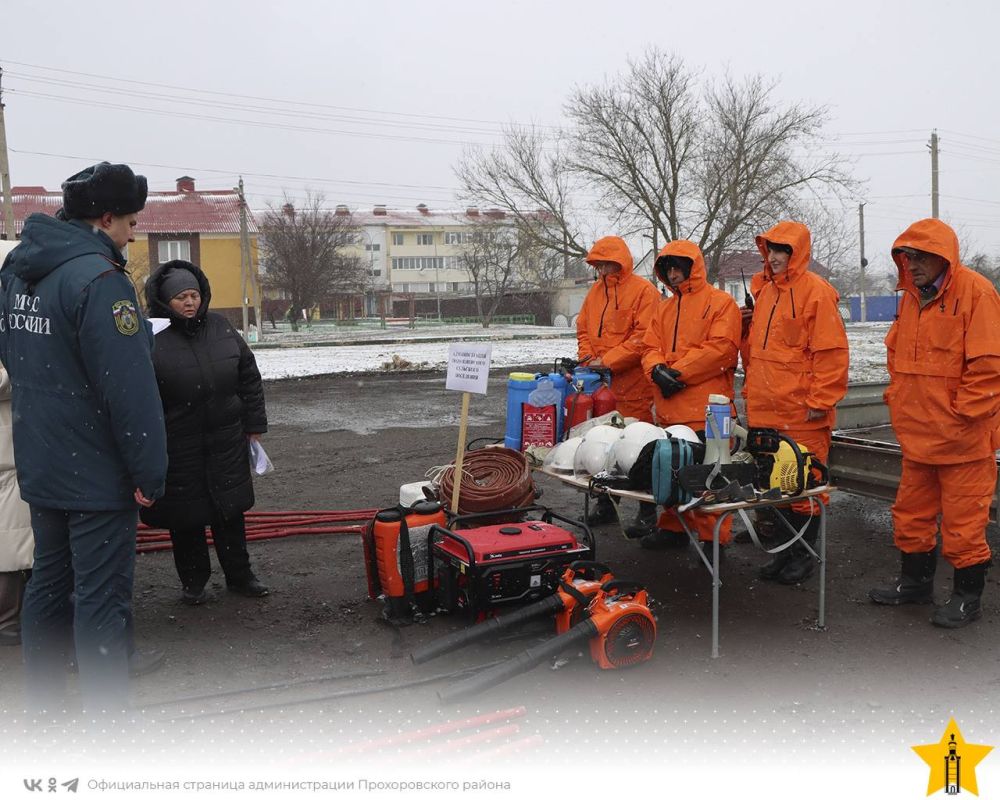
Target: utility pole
{"type": "Point", "coordinates": [437, 276]}
{"type": "Point", "coordinates": [864, 261]}
{"type": "Point", "coordinates": [934, 173]}
{"type": "Point", "coordinates": [258, 295]}
{"type": "Point", "coordinates": [8, 200]}
{"type": "Point", "coordinates": [244, 261]}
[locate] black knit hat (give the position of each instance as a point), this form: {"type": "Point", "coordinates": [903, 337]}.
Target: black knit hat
{"type": "Point", "coordinates": [176, 281]}
{"type": "Point", "coordinates": [103, 188]}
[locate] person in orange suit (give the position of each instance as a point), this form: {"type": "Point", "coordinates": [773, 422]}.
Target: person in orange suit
{"type": "Point", "coordinates": [943, 354]}
{"type": "Point", "coordinates": [691, 351]}
{"type": "Point", "coordinates": [609, 333]}
{"type": "Point", "coordinates": [795, 356]}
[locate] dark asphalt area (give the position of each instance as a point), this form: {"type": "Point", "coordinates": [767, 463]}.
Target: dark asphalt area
{"type": "Point", "coordinates": [348, 442]}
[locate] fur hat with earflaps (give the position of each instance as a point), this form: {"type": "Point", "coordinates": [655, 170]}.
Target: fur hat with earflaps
{"type": "Point", "coordinates": [103, 188]}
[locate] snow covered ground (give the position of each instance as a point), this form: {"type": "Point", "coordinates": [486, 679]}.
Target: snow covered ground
{"type": "Point", "coordinates": [867, 350]}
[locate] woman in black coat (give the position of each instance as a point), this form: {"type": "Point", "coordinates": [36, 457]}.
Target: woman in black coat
{"type": "Point", "coordinates": [213, 404]}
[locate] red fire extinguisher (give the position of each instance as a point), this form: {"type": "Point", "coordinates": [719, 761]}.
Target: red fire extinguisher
{"type": "Point", "coordinates": [579, 408]}
{"type": "Point", "coordinates": [604, 400]}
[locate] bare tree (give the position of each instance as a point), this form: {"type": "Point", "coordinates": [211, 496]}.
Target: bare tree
{"type": "Point", "coordinates": [986, 265]}
{"type": "Point", "coordinates": [834, 233]}
{"type": "Point", "coordinates": [527, 177]}
{"type": "Point", "coordinates": [138, 268]}
{"type": "Point", "coordinates": [667, 152]}
{"type": "Point", "coordinates": [634, 140]}
{"type": "Point", "coordinates": [303, 254]}
{"type": "Point", "coordinates": [494, 258]}
{"type": "Point", "coordinates": [758, 158]}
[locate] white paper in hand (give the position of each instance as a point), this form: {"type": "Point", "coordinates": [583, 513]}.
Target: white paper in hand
{"type": "Point", "coordinates": [259, 462]}
{"type": "Point", "coordinates": [159, 324]}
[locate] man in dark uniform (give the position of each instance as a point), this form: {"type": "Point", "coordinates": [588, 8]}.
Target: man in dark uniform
{"type": "Point", "coordinates": [89, 441]}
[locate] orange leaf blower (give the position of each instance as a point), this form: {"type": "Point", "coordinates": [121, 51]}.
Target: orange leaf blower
{"type": "Point", "coordinates": [618, 625]}
{"type": "Point", "coordinates": [579, 584]}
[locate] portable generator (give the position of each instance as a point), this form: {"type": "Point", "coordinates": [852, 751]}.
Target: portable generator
{"type": "Point", "coordinates": [479, 569]}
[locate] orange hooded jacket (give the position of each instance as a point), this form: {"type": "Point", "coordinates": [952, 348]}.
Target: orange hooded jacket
{"type": "Point", "coordinates": [697, 332]}
{"type": "Point", "coordinates": [611, 325]}
{"type": "Point", "coordinates": [944, 358]}
{"type": "Point", "coordinates": [795, 354]}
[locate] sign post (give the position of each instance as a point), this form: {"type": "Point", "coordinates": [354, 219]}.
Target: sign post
{"type": "Point", "coordinates": [468, 373]}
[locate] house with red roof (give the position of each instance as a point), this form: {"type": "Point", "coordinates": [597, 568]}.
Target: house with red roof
{"type": "Point", "coordinates": [200, 226]}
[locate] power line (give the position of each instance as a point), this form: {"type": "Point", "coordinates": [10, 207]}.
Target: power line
{"type": "Point", "coordinates": [242, 122]}
{"type": "Point", "coordinates": [117, 79]}
{"type": "Point", "coordinates": [969, 135]}
{"type": "Point", "coordinates": [237, 172]}
{"type": "Point", "coordinates": [838, 138]}
{"type": "Point", "coordinates": [257, 109]}
{"type": "Point", "coordinates": [972, 199]}
{"type": "Point", "coordinates": [970, 157]}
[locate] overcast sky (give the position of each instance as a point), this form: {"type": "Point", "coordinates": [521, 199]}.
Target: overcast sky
{"type": "Point", "coordinates": [398, 89]}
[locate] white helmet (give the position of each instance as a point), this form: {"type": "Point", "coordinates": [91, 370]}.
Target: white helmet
{"type": "Point", "coordinates": [626, 448]}
{"type": "Point", "coordinates": [683, 432]}
{"type": "Point", "coordinates": [593, 450]}
{"type": "Point", "coordinates": [560, 457]}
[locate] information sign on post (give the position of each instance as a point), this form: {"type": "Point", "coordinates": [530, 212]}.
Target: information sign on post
{"type": "Point", "coordinates": [468, 373]}
{"type": "Point", "coordinates": [469, 366]}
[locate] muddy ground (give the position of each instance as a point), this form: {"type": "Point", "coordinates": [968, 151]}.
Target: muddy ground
{"type": "Point", "coordinates": [875, 677]}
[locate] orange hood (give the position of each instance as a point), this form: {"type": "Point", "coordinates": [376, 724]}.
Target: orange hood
{"type": "Point", "coordinates": [796, 235]}
{"type": "Point", "coordinates": [682, 247]}
{"type": "Point", "coordinates": [612, 248]}
{"type": "Point", "coordinates": [931, 236]}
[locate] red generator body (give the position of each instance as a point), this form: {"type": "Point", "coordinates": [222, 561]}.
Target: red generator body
{"type": "Point", "coordinates": [479, 569]}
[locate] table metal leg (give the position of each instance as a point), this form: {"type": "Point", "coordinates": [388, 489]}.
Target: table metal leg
{"type": "Point", "coordinates": [822, 564]}
{"type": "Point", "coordinates": [715, 584]}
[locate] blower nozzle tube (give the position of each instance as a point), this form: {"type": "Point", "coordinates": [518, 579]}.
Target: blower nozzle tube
{"type": "Point", "coordinates": [532, 657]}
{"type": "Point", "coordinates": [466, 636]}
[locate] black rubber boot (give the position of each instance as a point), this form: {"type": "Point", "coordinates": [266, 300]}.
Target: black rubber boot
{"type": "Point", "coordinates": [602, 510]}
{"type": "Point", "coordinates": [706, 548]}
{"type": "Point", "coordinates": [964, 605]}
{"type": "Point", "coordinates": [661, 539]}
{"type": "Point", "coordinates": [915, 583]}
{"type": "Point", "coordinates": [772, 570]}
{"type": "Point", "coordinates": [801, 562]}
{"type": "Point", "coordinates": [645, 522]}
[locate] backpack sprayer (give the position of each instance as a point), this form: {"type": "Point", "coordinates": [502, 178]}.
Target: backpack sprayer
{"type": "Point", "coordinates": [618, 626]}
{"type": "Point", "coordinates": [578, 586]}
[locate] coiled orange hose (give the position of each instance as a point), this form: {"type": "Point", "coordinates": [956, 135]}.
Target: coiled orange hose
{"type": "Point", "coordinates": [493, 478]}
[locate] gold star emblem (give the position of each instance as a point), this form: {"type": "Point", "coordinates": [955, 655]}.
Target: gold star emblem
{"type": "Point", "coordinates": [952, 761]}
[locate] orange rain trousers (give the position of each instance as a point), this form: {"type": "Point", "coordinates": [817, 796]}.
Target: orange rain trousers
{"type": "Point", "coordinates": [702, 524]}
{"type": "Point", "coordinates": [960, 494]}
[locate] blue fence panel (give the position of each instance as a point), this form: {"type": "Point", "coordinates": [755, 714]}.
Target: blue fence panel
{"type": "Point", "coordinates": [880, 308]}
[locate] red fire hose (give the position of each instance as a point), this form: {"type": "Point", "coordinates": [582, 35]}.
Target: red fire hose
{"type": "Point", "coordinates": [273, 525]}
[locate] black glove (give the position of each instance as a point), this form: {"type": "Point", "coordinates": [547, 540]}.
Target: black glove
{"type": "Point", "coordinates": [666, 378]}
